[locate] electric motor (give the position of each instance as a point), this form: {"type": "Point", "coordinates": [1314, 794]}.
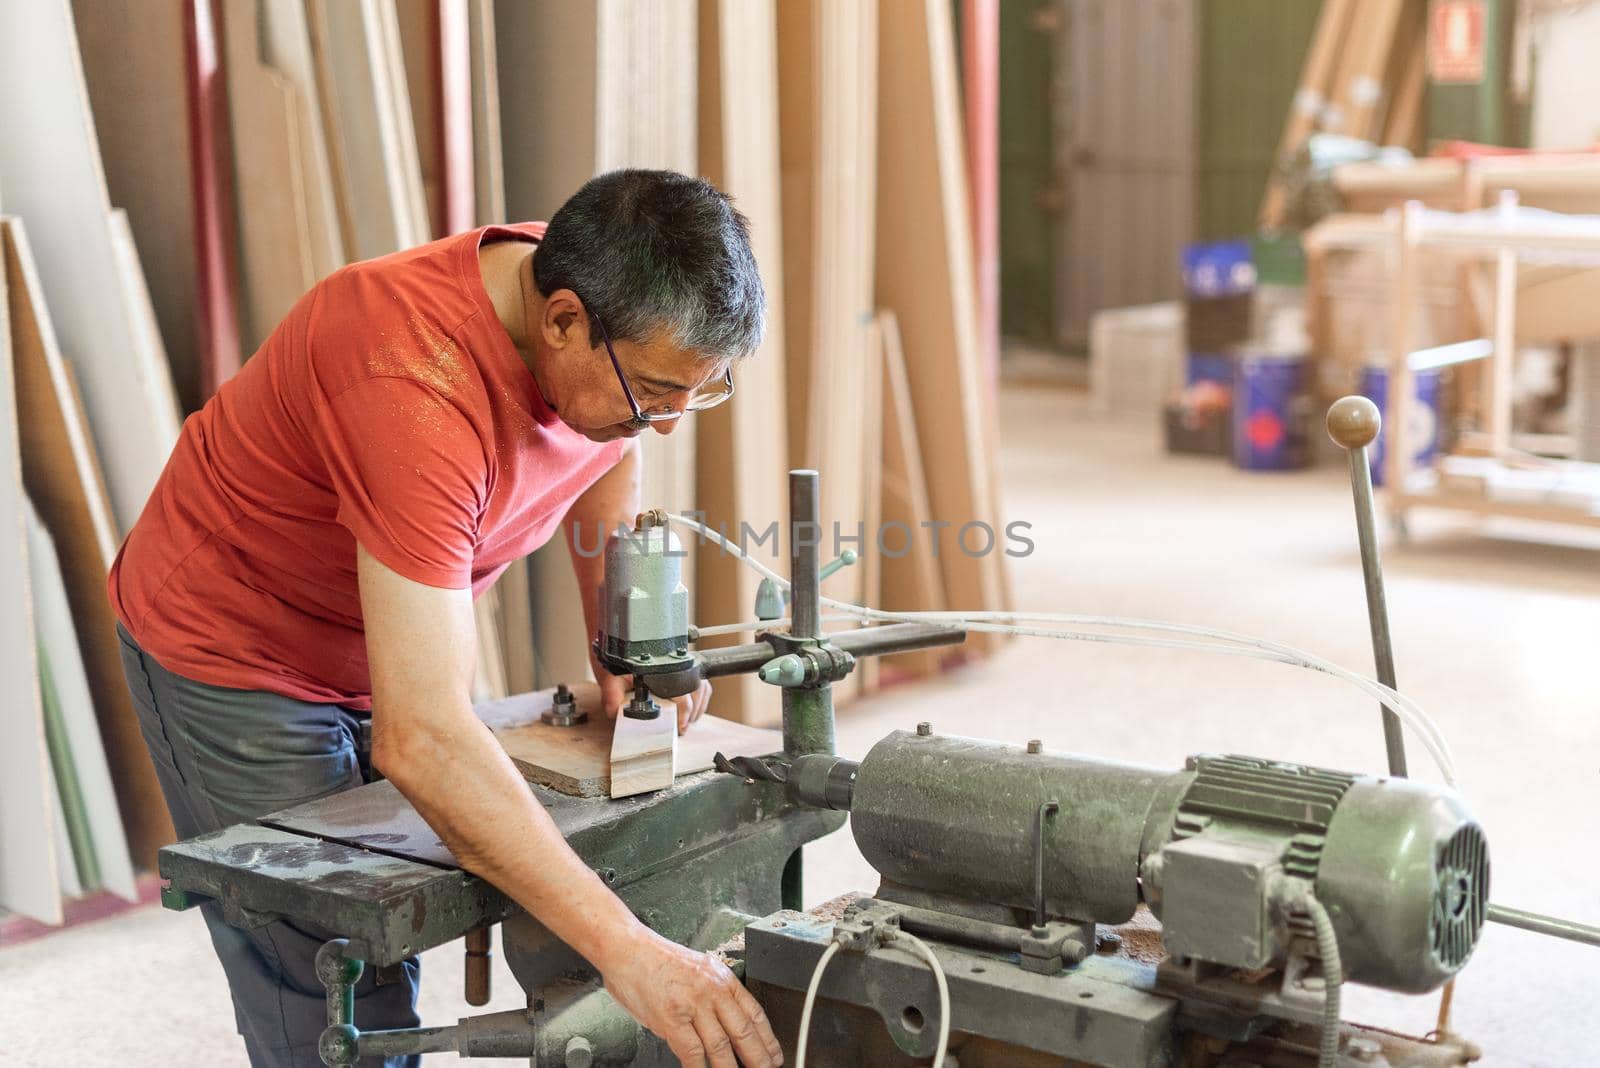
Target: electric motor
{"type": "Point", "coordinates": [1219, 850]}
{"type": "Point", "coordinates": [644, 605]}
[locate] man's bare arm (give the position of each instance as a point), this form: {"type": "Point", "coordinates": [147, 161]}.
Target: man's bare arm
{"type": "Point", "coordinates": [428, 742]}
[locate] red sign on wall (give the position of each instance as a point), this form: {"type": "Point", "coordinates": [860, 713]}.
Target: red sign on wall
{"type": "Point", "coordinates": [1455, 41]}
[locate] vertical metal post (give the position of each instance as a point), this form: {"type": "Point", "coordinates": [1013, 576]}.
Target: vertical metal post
{"type": "Point", "coordinates": [1354, 422]}
{"type": "Point", "coordinates": [805, 535]}
{"type": "Point", "coordinates": [807, 710]}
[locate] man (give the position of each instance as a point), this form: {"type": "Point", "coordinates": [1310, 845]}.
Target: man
{"type": "Point", "coordinates": [312, 549]}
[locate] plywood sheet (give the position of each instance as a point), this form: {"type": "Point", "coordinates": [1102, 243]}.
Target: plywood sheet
{"type": "Point", "coordinates": [577, 760]}
{"type": "Point", "coordinates": [285, 47]}
{"type": "Point", "coordinates": [909, 581]}
{"type": "Point", "coordinates": [269, 148]}
{"type": "Point", "coordinates": [828, 69]}
{"type": "Point", "coordinates": [743, 446]}
{"type": "Point", "coordinates": [110, 866]}
{"type": "Point", "coordinates": [925, 275]}
{"type": "Point", "coordinates": [28, 835]}
{"type": "Point", "coordinates": [367, 116]}
{"type": "Point", "coordinates": [134, 64]}
{"type": "Point", "coordinates": [62, 474]}
{"type": "Point", "coordinates": [50, 171]}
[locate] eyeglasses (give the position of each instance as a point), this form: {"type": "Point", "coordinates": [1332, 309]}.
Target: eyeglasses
{"type": "Point", "coordinates": [698, 402]}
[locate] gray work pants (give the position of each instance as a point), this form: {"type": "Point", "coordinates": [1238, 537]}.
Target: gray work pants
{"type": "Point", "coordinates": [232, 756]}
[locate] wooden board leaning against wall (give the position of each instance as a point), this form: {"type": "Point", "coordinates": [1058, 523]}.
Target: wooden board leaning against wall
{"type": "Point", "coordinates": [925, 275]}
{"type": "Point", "coordinates": [742, 447]}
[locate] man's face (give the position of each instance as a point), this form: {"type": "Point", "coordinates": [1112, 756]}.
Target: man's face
{"type": "Point", "coordinates": [588, 393]}
{"type": "Point", "coordinates": [660, 375]}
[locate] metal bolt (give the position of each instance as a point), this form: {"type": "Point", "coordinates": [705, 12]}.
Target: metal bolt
{"type": "Point", "coordinates": [579, 1053]}
{"type": "Point", "coordinates": [924, 729]}
{"type": "Point", "coordinates": [1036, 747]}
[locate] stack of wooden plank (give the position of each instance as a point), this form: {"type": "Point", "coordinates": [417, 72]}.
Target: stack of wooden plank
{"type": "Point", "coordinates": [176, 177]}
{"type": "Point", "coordinates": [1365, 75]}
{"type": "Point", "coordinates": [73, 820]}
{"type": "Point", "coordinates": [79, 281]}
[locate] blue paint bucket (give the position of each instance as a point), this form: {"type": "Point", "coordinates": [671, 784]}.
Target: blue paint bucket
{"type": "Point", "coordinates": [1424, 415]}
{"type": "Point", "coordinates": [1269, 411]}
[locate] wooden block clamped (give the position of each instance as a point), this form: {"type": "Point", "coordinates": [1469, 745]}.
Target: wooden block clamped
{"type": "Point", "coordinates": [577, 760]}
{"type": "Point", "coordinates": [644, 752]}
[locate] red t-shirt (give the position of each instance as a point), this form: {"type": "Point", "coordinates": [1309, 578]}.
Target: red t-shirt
{"type": "Point", "coordinates": [390, 406]}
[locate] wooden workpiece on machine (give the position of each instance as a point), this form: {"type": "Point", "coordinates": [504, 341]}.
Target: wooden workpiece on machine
{"type": "Point", "coordinates": [578, 760]}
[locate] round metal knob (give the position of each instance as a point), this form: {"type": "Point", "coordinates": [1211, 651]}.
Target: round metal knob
{"type": "Point", "coordinates": [1354, 422]}
{"type": "Point", "coordinates": [579, 1052]}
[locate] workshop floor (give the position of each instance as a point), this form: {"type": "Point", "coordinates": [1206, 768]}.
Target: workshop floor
{"type": "Point", "coordinates": [1493, 627]}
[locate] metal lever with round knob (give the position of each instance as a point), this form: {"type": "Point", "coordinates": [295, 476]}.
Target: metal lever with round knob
{"type": "Point", "coordinates": [1353, 424]}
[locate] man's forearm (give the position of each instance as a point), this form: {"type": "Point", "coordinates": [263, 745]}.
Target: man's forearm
{"type": "Point", "coordinates": [451, 768]}
{"type": "Point", "coordinates": [610, 502]}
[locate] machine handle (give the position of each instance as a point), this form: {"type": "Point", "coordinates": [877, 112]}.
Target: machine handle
{"type": "Point", "coordinates": [1353, 424]}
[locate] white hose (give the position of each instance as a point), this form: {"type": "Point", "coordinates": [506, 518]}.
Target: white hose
{"type": "Point", "coordinates": [811, 1000]}
{"type": "Point", "coordinates": [1409, 712]}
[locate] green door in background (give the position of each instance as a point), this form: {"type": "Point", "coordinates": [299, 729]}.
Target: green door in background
{"type": "Point", "coordinates": [1029, 194]}
{"type": "Point", "coordinates": [1251, 52]}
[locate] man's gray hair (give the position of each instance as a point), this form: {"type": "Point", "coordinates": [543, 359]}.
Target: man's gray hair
{"type": "Point", "coordinates": [657, 252]}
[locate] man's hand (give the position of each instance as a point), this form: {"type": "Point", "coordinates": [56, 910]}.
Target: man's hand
{"type": "Point", "coordinates": [615, 690]}
{"type": "Point", "coordinates": [693, 1002]}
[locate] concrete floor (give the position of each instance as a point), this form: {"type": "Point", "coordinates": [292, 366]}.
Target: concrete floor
{"type": "Point", "coordinates": [1494, 628]}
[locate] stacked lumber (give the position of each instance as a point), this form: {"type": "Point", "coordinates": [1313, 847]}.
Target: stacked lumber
{"type": "Point", "coordinates": [1365, 76]}
{"type": "Point", "coordinates": [176, 179]}
{"type": "Point", "coordinates": [78, 796]}
{"type": "Point", "coordinates": [743, 446]}
{"type": "Point", "coordinates": [828, 86]}
{"type": "Point", "coordinates": [925, 275]}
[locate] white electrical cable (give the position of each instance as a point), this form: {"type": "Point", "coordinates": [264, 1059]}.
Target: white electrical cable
{"type": "Point", "coordinates": [944, 993]}
{"type": "Point", "coordinates": [938, 978]}
{"type": "Point", "coordinates": [811, 1001]}
{"type": "Point", "coordinates": [1410, 713]}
